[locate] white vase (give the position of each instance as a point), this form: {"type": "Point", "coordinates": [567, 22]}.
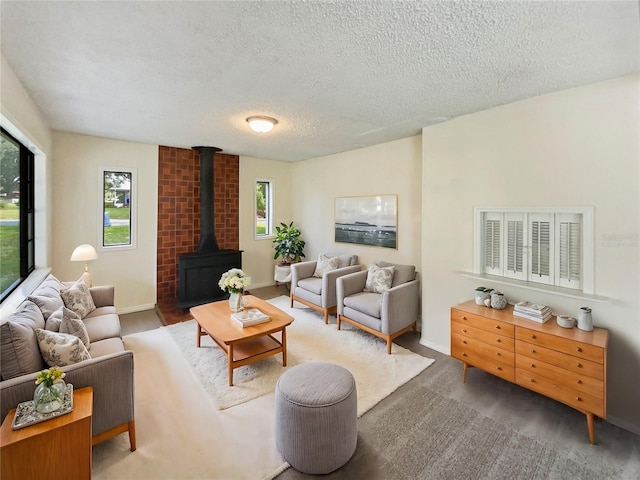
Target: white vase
{"type": "Point", "coordinates": [235, 301]}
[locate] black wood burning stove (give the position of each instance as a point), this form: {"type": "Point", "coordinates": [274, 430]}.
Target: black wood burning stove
{"type": "Point", "coordinates": [200, 271]}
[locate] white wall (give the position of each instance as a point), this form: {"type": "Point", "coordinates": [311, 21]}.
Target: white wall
{"type": "Point", "coordinates": [76, 218]}
{"type": "Point", "coordinates": [388, 168]}
{"type": "Point", "coordinates": [22, 119]}
{"type": "Point", "coordinates": [257, 256]}
{"type": "Point", "coordinates": [575, 147]}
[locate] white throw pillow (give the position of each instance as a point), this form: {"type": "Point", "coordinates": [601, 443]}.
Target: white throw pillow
{"type": "Point", "coordinates": [379, 279]}
{"type": "Point", "coordinates": [54, 320]}
{"type": "Point", "coordinates": [325, 264]}
{"type": "Point", "coordinates": [78, 298]}
{"type": "Point", "coordinates": [73, 325]}
{"type": "Point", "coordinates": [60, 349]}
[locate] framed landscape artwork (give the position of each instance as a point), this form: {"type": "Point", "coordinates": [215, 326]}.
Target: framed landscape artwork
{"type": "Point", "coordinates": [371, 220]}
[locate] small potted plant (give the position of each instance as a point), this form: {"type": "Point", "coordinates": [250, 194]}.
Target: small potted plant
{"type": "Point", "coordinates": [288, 245]}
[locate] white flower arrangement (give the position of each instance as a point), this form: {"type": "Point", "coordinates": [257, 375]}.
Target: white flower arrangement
{"type": "Point", "coordinates": [234, 281]}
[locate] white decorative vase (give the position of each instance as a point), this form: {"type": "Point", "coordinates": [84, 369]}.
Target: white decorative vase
{"type": "Point", "coordinates": [235, 301]}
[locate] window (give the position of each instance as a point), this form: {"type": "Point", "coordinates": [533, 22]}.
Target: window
{"type": "Point", "coordinates": [17, 213]}
{"type": "Point", "coordinates": [264, 208]}
{"type": "Point", "coordinates": [550, 246]}
{"type": "Point", "coordinates": [117, 207]}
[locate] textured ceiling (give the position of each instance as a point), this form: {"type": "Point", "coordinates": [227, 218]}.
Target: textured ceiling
{"type": "Point", "coordinates": [337, 75]}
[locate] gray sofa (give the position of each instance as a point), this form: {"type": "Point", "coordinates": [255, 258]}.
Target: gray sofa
{"type": "Point", "coordinates": [109, 370]}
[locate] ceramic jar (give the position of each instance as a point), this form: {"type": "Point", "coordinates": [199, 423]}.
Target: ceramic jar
{"type": "Point", "coordinates": [235, 301]}
{"type": "Point", "coordinates": [498, 300]}
{"type": "Point", "coordinates": [585, 321]}
{"type": "Point", "coordinates": [481, 296]}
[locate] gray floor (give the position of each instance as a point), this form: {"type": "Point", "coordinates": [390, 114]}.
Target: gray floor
{"type": "Point", "coordinates": [436, 427]}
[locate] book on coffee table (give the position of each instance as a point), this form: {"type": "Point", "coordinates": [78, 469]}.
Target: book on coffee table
{"type": "Point", "coordinates": [247, 318]}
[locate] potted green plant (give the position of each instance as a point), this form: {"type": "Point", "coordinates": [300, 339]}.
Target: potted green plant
{"type": "Point", "coordinates": [289, 247]}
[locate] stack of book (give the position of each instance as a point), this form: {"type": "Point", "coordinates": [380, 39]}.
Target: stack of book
{"type": "Point", "coordinates": [247, 318]}
{"type": "Point", "coordinates": [532, 311]}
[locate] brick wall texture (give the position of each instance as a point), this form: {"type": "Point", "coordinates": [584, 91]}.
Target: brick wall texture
{"type": "Point", "coordinates": [179, 210]}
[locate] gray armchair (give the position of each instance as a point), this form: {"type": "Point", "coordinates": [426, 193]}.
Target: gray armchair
{"type": "Point", "coordinates": [316, 292]}
{"type": "Point", "coordinates": [388, 314]}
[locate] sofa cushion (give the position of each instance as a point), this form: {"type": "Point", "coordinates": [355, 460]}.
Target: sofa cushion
{"type": "Point", "coordinates": [78, 298]}
{"type": "Point", "coordinates": [403, 273]}
{"type": "Point", "coordinates": [47, 296]}
{"type": "Point", "coordinates": [73, 325]}
{"type": "Point", "coordinates": [379, 279]}
{"type": "Point", "coordinates": [18, 343]}
{"type": "Point", "coordinates": [102, 323]}
{"type": "Point", "coordinates": [106, 347]}
{"type": "Point", "coordinates": [61, 349]}
{"type": "Point", "coordinates": [325, 264]}
{"type": "Point", "coordinates": [53, 322]}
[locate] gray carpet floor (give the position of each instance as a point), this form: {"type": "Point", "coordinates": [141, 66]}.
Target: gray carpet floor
{"type": "Point", "coordinates": [436, 427]}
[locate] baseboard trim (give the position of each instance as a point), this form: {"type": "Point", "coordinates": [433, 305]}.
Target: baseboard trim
{"type": "Point", "coordinates": [136, 308]}
{"type": "Point", "coordinates": [434, 346]}
{"type": "Point", "coordinates": [622, 423]}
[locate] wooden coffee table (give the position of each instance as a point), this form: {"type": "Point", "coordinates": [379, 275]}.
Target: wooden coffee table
{"type": "Point", "coordinates": [243, 345]}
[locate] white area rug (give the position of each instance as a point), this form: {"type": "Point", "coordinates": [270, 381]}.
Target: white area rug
{"type": "Point", "coordinates": [308, 339]}
{"type": "Point", "coordinates": [182, 435]}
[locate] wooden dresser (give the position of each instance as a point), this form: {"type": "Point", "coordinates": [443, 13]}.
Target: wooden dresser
{"type": "Point", "coordinates": [566, 364]}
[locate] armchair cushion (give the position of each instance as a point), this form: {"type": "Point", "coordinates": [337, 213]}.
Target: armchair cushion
{"type": "Point", "coordinates": [311, 284]}
{"type": "Point", "coordinates": [325, 264]}
{"type": "Point", "coordinates": [379, 279]}
{"type": "Point", "coordinates": [368, 303]}
{"type": "Point", "coordinates": [402, 273]}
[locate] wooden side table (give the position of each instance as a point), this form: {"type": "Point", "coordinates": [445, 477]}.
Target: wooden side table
{"type": "Point", "coordinates": [56, 448]}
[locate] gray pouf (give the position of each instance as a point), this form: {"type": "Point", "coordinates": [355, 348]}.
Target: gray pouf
{"type": "Point", "coordinates": [316, 417]}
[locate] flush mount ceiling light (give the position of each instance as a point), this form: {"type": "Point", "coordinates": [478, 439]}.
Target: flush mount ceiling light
{"type": "Point", "coordinates": [261, 124]}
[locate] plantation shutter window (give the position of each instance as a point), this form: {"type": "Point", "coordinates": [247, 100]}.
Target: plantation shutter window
{"type": "Point", "coordinates": [569, 251]}
{"type": "Point", "coordinates": [492, 240]}
{"type": "Point", "coordinates": [541, 255]}
{"type": "Point", "coordinates": [514, 246]}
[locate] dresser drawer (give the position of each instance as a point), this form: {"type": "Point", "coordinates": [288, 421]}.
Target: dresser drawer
{"type": "Point", "coordinates": [570, 396]}
{"type": "Point", "coordinates": [566, 345]}
{"type": "Point", "coordinates": [562, 360]}
{"type": "Point", "coordinates": [483, 357]}
{"type": "Point", "coordinates": [483, 323]}
{"type": "Point", "coordinates": [561, 376]}
{"type": "Point", "coordinates": [495, 339]}
{"type": "Point", "coordinates": [489, 351]}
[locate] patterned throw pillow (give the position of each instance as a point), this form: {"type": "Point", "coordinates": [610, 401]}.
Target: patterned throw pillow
{"type": "Point", "coordinates": [54, 320]}
{"type": "Point", "coordinates": [379, 279]}
{"type": "Point", "coordinates": [325, 264]}
{"type": "Point", "coordinates": [60, 349]}
{"type": "Point", "coordinates": [73, 325]}
{"type": "Point", "coordinates": [78, 298]}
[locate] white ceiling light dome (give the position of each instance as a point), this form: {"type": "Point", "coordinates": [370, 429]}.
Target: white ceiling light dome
{"type": "Point", "coordinates": [261, 124]}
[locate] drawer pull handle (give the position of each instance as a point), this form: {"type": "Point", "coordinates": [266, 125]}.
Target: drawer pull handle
{"type": "Point", "coordinates": [464, 341]}
{"type": "Point", "coordinates": [533, 336]}
{"type": "Point", "coordinates": [578, 349]}
{"type": "Point", "coordinates": [533, 365]}
{"type": "Point", "coordinates": [498, 340]}
{"type": "Point", "coordinates": [532, 380]}
{"type": "Point", "coordinates": [579, 365]}
{"type": "Point", "coordinates": [498, 354]}
{"type": "Point", "coordinates": [498, 368]}
{"type": "Point", "coordinates": [464, 331]}
{"type": "Point", "coordinates": [464, 318]}
{"type": "Point", "coordinates": [533, 351]}
{"type": "Point", "coordinates": [555, 386]}
{"type": "Point", "coordinates": [579, 399]}
{"type": "Point", "coordinates": [464, 354]}
{"type": "Point", "coordinates": [579, 382]}
{"type": "Point", "coordinates": [498, 327]}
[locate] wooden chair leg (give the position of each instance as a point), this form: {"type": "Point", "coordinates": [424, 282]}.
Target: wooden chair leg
{"type": "Point", "coordinates": [389, 342]}
{"type": "Point", "coordinates": [291, 300]}
{"type": "Point", "coordinates": [338, 321]}
{"type": "Point", "coordinates": [132, 435]}
{"type": "Point", "coordinates": [326, 316]}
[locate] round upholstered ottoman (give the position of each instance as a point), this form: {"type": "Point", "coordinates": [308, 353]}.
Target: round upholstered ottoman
{"type": "Point", "coordinates": [316, 417]}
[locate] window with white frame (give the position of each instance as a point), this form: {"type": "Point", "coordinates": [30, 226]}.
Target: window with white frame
{"type": "Point", "coordinates": [544, 245]}
{"type": "Point", "coordinates": [264, 208]}
{"type": "Point", "coordinates": [117, 207]}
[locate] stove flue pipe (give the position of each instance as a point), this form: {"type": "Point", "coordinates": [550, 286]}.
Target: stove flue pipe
{"type": "Point", "coordinates": [208, 242]}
